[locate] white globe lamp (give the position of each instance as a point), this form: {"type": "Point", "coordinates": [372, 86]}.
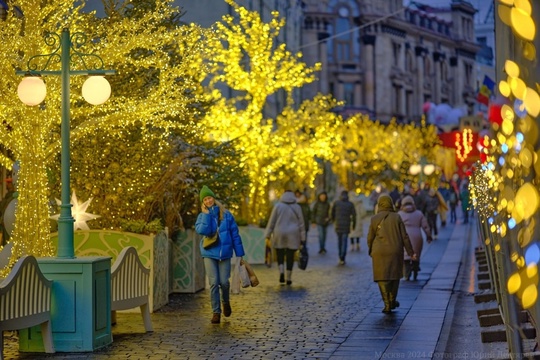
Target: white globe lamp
{"type": "Point", "coordinates": [32, 90]}
{"type": "Point", "coordinates": [96, 90]}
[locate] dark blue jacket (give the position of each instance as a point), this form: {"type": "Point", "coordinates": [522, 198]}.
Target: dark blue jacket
{"type": "Point", "coordinates": [229, 236]}
{"type": "Point", "coordinates": [343, 215]}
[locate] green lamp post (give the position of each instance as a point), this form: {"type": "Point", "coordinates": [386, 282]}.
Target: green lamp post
{"type": "Point", "coordinates": [422, 169]}
{"type": "Point", "coordinates": [96, 90]}
{"type": "Point", "coordinates": [81, 293]}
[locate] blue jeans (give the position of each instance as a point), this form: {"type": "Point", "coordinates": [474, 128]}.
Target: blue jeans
{"type": "Point", "coordinates": [218, 273]}
{"type": "Point", "coordinates": [342, 245]}
{"type": "Point", "coordinates": [321, 229]}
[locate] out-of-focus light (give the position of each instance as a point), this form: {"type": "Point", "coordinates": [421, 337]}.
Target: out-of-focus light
{"type": "Point", "coordinates": [532, 254]}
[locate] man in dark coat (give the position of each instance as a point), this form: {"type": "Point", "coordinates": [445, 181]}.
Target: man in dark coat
{"type": "Point", "coordinates": [344, 217]}
{"type": "Point", "coordinates": [386, 239]}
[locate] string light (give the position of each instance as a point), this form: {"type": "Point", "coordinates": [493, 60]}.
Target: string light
{"type": "Point", "coordinates": [464, 144]}
{"type": "Point", "coordinates": [505, 191]}
{"type": "Point", "coordinates": [160, 68]}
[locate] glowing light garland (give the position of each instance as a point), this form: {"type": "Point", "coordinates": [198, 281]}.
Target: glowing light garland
{"type": "Point", "coordinates": [504, 189]}
{"type": "Point", "coordinates": [139, 45]}
{"type": "Point", "coordinates": [464, 144]}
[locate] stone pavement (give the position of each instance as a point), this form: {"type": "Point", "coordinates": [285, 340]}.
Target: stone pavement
{"type": "Point", "coordinates": [329, 312]}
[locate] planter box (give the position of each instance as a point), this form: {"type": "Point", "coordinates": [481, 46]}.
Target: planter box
{"type": "Point", "coordinates": [187, 266]}
{"type": "Point", "coordinates": [152, 250]}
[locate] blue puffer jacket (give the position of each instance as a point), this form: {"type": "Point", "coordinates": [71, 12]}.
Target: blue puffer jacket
{"type": "Point", "coordinates": [229, 237]}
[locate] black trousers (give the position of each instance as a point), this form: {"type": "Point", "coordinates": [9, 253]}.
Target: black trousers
{"type": "Point", "coordinates": [286, 255]}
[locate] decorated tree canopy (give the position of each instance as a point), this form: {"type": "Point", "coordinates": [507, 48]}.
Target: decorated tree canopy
{"type": "Point", "coordinates": [157, 86]}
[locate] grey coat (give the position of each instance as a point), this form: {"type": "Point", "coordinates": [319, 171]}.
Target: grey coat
{"type": "Point", "coordinates": [286, 224]}
{"type": "Point", "coordinates": [386, 243]}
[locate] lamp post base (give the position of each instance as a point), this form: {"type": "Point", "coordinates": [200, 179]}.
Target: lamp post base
{"type": "Point", "coordinates": [80, 305]}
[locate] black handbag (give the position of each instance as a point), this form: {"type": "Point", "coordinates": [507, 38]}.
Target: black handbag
{"type": "Point", "coordinates": [303, 258]}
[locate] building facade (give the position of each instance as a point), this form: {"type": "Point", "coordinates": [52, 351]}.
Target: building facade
{"type": "Point", "coordinates": [388, 60]}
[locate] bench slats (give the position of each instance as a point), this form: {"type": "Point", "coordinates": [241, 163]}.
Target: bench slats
{"type": "Point", "coordinates": [25, 300]}
{"type": "Point", "coordinates": [129, 284]}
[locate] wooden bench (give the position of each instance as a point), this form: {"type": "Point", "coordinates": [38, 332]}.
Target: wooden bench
{"type": "Point", "coordinates": [129, 283]}
{"type": "Point", "coordinates": [25, 301]}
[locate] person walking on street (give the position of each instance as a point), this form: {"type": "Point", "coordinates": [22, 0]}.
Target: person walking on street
{"type": "Point", "coordinates": [302, 200]}
{"type": "Point", "coordinates": [358, 232]}
{"type": "Point", "coordinates": [443, 193]}
{"type": "Point", "coordinates": [387, 237]}
{"type": "Point", "coordinates": [286, 230]}
{"type": "Point", "coordinates": [432, 209]}
{"type": "Point", "coordinates": [343, 215]}
{"type": "Point", "coordinates": [215, 219]}
{"type": "Point", "coordinates": [464, 197]}
{"type": "Point", "coordinates": [414, 222]}
{"type": "Point", "coordinates": [320, 216]}
{"type": "Point", "coordinates": [453, 200]}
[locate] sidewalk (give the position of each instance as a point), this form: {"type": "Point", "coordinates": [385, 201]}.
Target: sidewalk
{"type": "Point", "coordinates": [329, 312]}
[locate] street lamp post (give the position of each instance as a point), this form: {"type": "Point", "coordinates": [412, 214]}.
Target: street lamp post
{"type": "Point", "coordinates": [421, 169]}
{"type": "Point", "coordinates": [81, 295]}
{"type": "Point", "coordinates": [32, 91]}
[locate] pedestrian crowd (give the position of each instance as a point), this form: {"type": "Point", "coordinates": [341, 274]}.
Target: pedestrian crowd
{"type": "Point", "coordinates": [399, 225]}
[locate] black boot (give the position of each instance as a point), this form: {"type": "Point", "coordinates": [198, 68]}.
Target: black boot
{"type": "Point", "coordinates": [393, 290]}
{"type": "Point", "coordinates": [415, 269]}
{"type": "Point", "coordinates": [385, 294]}
{"type": "Point", "coordinates": [407, 270]}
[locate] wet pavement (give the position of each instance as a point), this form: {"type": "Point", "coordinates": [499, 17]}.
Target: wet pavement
{"type": "Point", "coordinates": [329, 312]}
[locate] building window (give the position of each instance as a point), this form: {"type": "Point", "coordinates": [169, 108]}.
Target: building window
{"type": "Point", "coordinates": [409, 62]}
{"type": "Point", "coordinates": [397, 53]}
{"type": "Point", "coordinates": [396, 99]}
{"type": "Point", "coordinates": [348, 94]}
{"type": "Point", "coordinates": [409, 104]}
{"type": "Point", "coordinates": [344, 39]}
{"type": "Point", "coordinates": [468, 73]}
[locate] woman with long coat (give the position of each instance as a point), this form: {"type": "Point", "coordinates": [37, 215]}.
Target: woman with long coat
{"type": "Point", "coordinates": [386, 239]}
{"type": "Point", "coordinates": [287, 232]}
{"type": "Point", "coordinates": [414, 222]}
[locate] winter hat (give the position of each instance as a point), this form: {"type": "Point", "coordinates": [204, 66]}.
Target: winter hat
{"type": "Point", "coordinates": [407, 200]}
{"type": "Point", "coordinates": [205, 191]}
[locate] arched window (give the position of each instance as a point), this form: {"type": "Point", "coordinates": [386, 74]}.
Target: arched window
{"type": "Point", "coordinates": [344, 38]}
{"type": "Point", "coordinates": [409, 61]}
{"type": "Point", "coordinates": [343, 46]}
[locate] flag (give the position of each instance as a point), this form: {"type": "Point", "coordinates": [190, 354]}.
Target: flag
{"type": "Point", "coordinates": [486, 90]}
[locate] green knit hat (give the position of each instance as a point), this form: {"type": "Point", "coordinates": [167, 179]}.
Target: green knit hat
{"type": "Point", "coordinates": [205, 191]}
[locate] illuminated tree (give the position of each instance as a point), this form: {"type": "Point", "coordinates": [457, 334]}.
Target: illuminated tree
{"type": "Point", "coordinates": [157, 86]}
{"type": "Point", "coordinates": [381, 154]}
{"type": "Point", "coordinates": [247, 58]}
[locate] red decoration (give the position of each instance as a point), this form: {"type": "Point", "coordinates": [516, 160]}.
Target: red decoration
{"type": "Point", "coordinates": [494, 114]}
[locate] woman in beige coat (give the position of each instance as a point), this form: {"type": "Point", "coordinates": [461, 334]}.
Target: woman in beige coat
{"type": "Point", "coordinates": [386, 239]}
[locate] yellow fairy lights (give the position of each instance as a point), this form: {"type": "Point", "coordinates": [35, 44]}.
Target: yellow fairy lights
{"type": "Point", "coordinates": [505, 187]}
{"type": "Point", "coordinates": [384, 147]}
{"type": "Point", "coordinates": [160, 67]}
{"type": "Point", "coordinates": [247, 58]}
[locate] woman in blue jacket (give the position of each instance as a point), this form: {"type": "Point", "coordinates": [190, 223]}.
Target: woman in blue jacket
{"type": "Point", "coordinates": [213, 219]}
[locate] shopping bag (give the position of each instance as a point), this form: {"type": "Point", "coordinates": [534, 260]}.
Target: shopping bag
{"type": "Point", "coordinates": [244, 276]}
{"type": "Point", "coordinates": [268, 252]}
{"type": "Point", "coordinates": [253, 280]}
{"type": "Point", "coordinates": [303, 257]}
